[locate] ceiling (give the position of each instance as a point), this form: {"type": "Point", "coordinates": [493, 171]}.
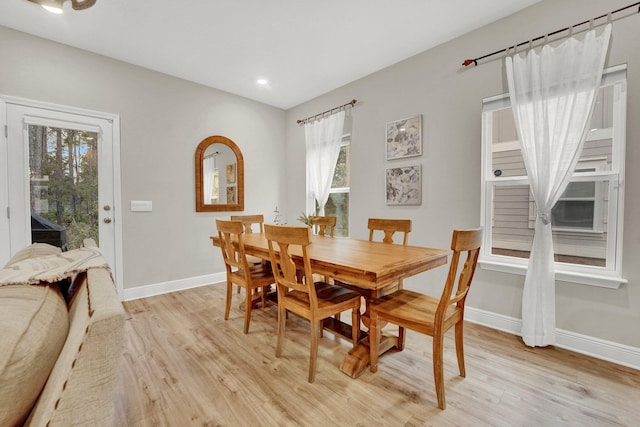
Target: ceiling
{"type": "Point", "coordinates": [304, 48]}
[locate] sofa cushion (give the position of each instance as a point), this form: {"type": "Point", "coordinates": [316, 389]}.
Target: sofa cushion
{"type": "Point", "coordinates": [32, 251]}
{"type": "Point", "coordinates": [34, 322]}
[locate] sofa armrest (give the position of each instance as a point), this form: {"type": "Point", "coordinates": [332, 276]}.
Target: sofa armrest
{"type": "Point", "coordinates": [81, 387]}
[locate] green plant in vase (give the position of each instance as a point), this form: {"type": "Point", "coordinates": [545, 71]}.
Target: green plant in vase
{"type": "Point", "coordinates": [305, 219]}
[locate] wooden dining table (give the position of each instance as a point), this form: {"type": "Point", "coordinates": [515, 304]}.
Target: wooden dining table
{"type": "Point", "coordinates": [365, 266]}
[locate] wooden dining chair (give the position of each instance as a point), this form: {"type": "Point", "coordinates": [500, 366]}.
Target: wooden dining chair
{"type": "Point", "coordinates": [429, 315]}
{"type": "Point", "coordinates": [249, 221]}
{"type": "Point", "coordinates": [299, 294]}
{"type": "Point", "coordinates": [385, 230]}
{"type": "Point", "coordinates": [323, 223]}
{"type": "Point", "coordinates": [247, 275]}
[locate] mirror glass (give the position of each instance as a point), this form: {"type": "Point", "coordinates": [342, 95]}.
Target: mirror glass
{"type": "Point", "coordinates": [219, 175]}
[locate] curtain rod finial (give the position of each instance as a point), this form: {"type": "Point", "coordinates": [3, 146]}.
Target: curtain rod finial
{"type": "Point", "coordinates": [468, 62]}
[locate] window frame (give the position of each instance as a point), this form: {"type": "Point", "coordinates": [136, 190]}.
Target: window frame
{"type": "Point", "coordinates": [609, 276]}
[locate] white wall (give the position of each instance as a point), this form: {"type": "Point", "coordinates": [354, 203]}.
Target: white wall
{"type": "Point", "coordinates": [449, 97]}
{"type": "Point", "coordinates": [163, 120]}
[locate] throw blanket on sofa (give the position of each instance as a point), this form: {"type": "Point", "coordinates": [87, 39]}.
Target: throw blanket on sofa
{"type": "Point", "coordinates": [52, 268]}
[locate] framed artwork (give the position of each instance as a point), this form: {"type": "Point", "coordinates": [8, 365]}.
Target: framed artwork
{"type": "Point", "coordinates": [404, 138]}
{"type": "Point", "coordinates": [404, 185]}
{"type": "Point", "coordinates": [231, 195]}
{"type": "Point", "coordinates": [231, 173]}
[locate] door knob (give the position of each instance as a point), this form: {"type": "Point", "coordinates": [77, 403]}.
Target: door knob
{"type": "Point", "coordinates": [106, 207]}
{"type": "Point", "coordinates": [107, 220]}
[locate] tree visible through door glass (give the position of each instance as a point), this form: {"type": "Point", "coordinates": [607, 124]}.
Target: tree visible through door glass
{"type": "Point", "coordinates": [63, 175]}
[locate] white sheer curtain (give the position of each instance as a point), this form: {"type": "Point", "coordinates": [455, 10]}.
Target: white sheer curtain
{"type": "Point", "coordinates": [323, 139]}
{"type": "Point", "coordinates": [552, 95]}
{"type": "Point", "coordinates": [209, 171]}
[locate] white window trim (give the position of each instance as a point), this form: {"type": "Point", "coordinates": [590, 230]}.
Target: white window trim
{"type": "Point", "coordinates": [607, 277]}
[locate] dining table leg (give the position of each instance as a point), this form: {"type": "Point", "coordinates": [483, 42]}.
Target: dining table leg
{"type": "Point", "coordinates": [357, 359]}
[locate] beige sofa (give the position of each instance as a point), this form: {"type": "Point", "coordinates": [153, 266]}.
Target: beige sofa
{"type": "Point", "coordinates": [59, 359]}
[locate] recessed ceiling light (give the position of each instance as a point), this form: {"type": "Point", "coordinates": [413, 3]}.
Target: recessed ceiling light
{"type": "Point", "coordinates": [262, 82]}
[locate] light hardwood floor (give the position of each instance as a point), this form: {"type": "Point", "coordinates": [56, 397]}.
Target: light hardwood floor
{"type": "Point", "coordinates": [183, 365]}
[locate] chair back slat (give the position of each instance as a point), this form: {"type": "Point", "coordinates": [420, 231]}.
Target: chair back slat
{"type": "Point", "coordinates": [248, 221]}
{"type": "Point", "coordinates": [323, 223]}
{"type": "Point", "coordinates": [389, 227]}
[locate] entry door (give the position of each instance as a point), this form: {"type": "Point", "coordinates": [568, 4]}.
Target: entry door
{"type": "Point", "coordinates": [60, 178]}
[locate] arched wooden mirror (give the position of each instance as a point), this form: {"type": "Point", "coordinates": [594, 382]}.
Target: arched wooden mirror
{"type": "Point", "coordinates": [219, 175]}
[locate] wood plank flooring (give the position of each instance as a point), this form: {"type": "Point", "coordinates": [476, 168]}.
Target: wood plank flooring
{"type": "Point", "coordinates": [183, 365]}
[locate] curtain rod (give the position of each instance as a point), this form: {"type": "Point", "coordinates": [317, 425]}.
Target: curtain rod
{"type": "Point", "coordinates": [468, 62]}
{"type": "Point", "coordinates": [351, 103]}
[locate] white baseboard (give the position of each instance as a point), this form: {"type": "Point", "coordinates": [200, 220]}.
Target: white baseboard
{"type": "Point", "coordinates": [173, 286]}
{"type": "Point", "coordinates": [601, 349]}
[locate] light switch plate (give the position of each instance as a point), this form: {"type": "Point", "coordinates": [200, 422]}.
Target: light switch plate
{"type": "Point", "coordinates": [141, 206]}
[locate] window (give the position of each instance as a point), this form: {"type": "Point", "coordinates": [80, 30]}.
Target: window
{"type": "Point", "coordinates": [586, 221]}
{"type": "Point", "coordinates": [581, 206]}
{"type": "Point", "coordinates": [338, 203]}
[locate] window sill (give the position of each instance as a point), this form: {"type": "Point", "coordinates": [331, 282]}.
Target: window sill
{"type": "Point", "coordinates": [591, 279]}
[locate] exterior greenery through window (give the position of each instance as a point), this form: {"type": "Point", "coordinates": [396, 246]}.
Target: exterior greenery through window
{"type": "Point", "coordinates": [586, 221]}
{"type": "Point", "coordinates": [338, 203]}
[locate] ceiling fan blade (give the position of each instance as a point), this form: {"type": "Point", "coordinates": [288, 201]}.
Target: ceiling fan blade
{"type": "Point", "coordinates": [82, 4]}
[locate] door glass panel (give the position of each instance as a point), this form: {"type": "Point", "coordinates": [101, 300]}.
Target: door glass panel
{"type": "Point", "coordinates": [63, 175]}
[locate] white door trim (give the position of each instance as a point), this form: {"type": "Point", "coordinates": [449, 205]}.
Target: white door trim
{"type": "Point", "coordinates": [4, 185]}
